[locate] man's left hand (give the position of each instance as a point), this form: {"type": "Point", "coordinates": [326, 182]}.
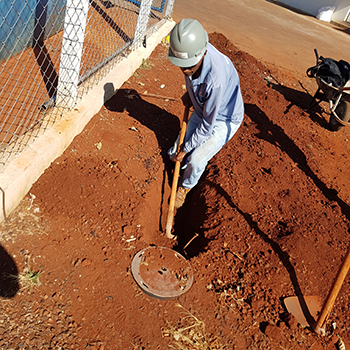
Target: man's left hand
{"type": "Point", "coordinates": [179, 156]}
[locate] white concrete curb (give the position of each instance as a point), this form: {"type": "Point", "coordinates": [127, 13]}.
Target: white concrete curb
{"type": "Point", "coordinates": [20, 174]}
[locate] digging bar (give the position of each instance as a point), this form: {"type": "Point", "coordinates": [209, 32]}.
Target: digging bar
{"type": "Point", "coordinates": [304, 309]}
{"type": "Point", "coordinates": [170, 218]}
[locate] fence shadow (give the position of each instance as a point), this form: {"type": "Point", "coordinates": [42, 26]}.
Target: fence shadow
{"type": "Point", "coordinates": [9, 285]}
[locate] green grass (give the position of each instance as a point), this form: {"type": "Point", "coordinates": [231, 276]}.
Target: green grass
{"type": "Point", "coordinates": [29, 279]}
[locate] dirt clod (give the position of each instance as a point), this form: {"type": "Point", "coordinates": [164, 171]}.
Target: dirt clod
{"type": "Point", "coordinates": [291, 321]}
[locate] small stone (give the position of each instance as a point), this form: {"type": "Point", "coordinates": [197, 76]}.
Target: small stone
{"type": "Point", "coordinates": [257, 304]}
{"type": "Point", "coordinates": [229, 255]}
{"type": "Point", "coordinates": [86, 262]}
{"type": "Point", "coordinates": [273, 333]}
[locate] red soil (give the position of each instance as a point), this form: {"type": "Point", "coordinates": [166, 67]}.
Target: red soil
{"type": "Point", "coordinates": [270, 218]}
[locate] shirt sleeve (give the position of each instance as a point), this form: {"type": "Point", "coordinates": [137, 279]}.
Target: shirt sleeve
{"type": "Point", "coordinates": [209, 114]}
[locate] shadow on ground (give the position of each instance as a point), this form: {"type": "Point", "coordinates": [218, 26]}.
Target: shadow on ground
{"type": "Point", "coordinates": [8, 275]}
{"type": "Point", "coordinates": [303, 100]}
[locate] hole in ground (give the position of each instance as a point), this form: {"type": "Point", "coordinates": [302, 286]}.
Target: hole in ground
{"type": "Point", "coordinates": [188, 223]}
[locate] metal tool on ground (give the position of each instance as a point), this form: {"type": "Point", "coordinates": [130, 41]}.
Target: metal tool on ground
{"type": "Point", "coordinates": [159, 96]}
{"type": "Point", "coordinates": [161, 272]}
{"type": "Point", "coordinates": [305, 309]}
{"type": "Point", "coordinates": [170, 218]}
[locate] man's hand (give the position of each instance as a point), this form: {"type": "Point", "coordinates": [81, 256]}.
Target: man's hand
{"type": "Point", "coordinates": [179, 156]}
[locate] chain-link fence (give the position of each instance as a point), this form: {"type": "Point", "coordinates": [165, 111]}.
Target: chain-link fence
{"type": "Point", "coordinates": [53, 51]}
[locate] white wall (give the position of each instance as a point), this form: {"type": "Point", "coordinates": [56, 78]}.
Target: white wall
{"type": "Point", "coordinates": [312, 7]}
{"type": "Point", "coordinates": [342, 9]}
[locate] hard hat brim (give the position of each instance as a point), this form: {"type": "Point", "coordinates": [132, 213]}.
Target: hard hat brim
{"type": "Point", "coordinates": [183, 62]}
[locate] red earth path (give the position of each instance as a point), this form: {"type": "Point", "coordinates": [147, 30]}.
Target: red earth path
{"type": "Point", "coordinates": [269, 219]}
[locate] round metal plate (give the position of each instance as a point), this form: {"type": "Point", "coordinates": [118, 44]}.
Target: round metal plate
{"type": "Point", "coordinates": [161, 272]}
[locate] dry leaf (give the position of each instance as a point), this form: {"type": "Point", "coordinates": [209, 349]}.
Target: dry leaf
{"type": "Point", "coordinates": [98, 145]}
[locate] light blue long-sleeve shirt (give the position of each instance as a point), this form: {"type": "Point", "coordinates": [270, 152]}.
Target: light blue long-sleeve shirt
{"type": "Point", "coordinates": [215, 95]}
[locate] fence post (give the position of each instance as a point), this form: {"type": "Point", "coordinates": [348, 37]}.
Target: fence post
{"type": "Point", "coordinates": [169, 9]}
{"type": "Point", "coordinates": [141, 27]}
{"type": "Point", "coordinates": [72, 48]}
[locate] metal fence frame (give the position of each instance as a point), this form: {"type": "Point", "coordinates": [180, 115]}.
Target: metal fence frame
{"type": "Point", "coordinates": [64, 92]}
{"type": "Point", "coordinates": [57, 47]}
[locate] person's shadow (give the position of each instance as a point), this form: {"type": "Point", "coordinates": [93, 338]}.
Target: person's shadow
{"type": "Point", "coordinates": [9, 285]}
{"type": "Point", "coordinates": [165, 125]}
{"type": "Point", "coordinates": [303, 100]}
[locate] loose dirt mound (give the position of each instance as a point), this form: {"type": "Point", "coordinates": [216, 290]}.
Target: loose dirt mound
{"type": "Point", "coordinates": [268, 220]}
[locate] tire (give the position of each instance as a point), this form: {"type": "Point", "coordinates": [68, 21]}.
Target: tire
{"type": "Point", "coordinates": [343, 112]}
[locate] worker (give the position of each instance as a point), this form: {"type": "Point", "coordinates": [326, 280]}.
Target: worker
{"type": "Point", "coordinates": [213, 89]}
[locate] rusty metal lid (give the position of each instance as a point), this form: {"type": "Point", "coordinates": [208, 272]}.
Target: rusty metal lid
{"type": "Point", "coordinates": [161, 272]}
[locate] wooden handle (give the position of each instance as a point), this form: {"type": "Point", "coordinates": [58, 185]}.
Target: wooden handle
{"type": "Point", "coordinates": [170, 218]}
{"type": "Point", "coordinates": [327, 307]}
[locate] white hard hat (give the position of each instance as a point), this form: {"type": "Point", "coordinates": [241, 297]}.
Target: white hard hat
{"type": "Point", "coordinates": [188, 43]}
